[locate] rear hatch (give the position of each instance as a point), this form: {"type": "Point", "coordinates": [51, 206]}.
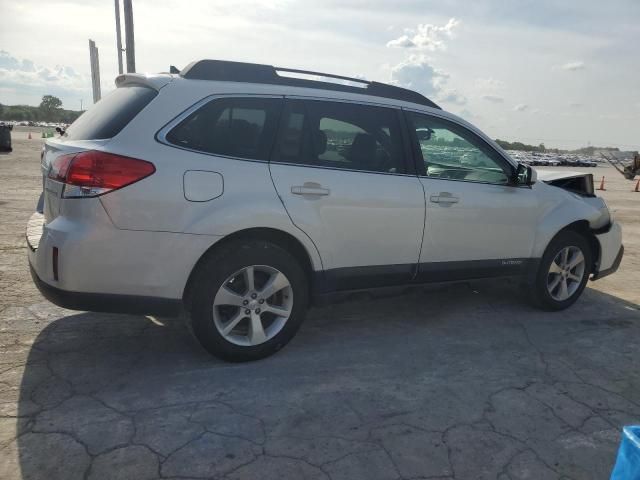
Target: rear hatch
{"type": "Point", "coordinates": [93, 130]}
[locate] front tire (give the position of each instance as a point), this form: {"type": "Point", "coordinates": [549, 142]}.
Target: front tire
{"type": "Point", "coordinates": [563, 272]}
{"type": "Point", "coordinates": [248, 300]}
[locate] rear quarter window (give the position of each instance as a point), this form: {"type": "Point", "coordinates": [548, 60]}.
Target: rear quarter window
{"type": "Point", "coordinates": [233, 127]}
{"type": "Point", "coordinates": [110, 115]}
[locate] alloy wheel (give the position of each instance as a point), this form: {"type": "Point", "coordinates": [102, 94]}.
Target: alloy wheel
{"type": "Point", "coordinates": [566, 273]}
{"type": "Point", "coordinates": [253, 305]}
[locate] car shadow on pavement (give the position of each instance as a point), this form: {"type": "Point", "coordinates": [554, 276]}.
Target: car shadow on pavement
{"type": "Point", "coordinates": [461, 380]}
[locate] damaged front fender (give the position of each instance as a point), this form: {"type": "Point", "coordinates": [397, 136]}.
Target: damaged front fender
{"type": "Point", "coordinates": [561, 207]}
{"type": "Point", "coordinates": [574, 182]}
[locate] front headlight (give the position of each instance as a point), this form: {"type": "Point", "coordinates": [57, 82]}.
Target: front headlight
{"type": "Point", "coordinates": [606, 213]}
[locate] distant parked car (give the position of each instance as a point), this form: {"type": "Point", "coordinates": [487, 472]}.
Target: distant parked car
{"type": "Point", "coordinates": [5, 137]}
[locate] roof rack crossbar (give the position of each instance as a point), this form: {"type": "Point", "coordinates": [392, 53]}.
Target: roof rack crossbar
{"type": "Point", "coordinates": [227, 71]}
{"type": "Point", "coordinates": [326, 75]}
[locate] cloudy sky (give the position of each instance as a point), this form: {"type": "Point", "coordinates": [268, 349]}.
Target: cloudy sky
{"type": "Point", "coordinates": [565, 73]}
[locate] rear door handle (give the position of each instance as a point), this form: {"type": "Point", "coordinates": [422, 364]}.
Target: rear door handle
{"type": "Point", "coordinates": [444, 197]}
{"type": "Point", "coordinates": [310, 188]}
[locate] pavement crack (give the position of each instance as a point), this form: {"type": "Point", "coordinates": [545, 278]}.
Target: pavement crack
{"type": "Point", "coordinates": [541, 355]}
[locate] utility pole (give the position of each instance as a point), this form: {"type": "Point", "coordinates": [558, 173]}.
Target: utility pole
{"type": "Point", "coordinates": [95, 70]}
{"type": "Point", "coordinates": [118, 37]}
{"type": "Point", "coordinates": [130, 41]}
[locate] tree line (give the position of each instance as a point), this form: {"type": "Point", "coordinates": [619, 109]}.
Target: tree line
{"type": "Point", "coordinates": [49, 110]}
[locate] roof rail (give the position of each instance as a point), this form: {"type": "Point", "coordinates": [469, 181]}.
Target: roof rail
{"type": "Point", "coordinates": [227, 71]}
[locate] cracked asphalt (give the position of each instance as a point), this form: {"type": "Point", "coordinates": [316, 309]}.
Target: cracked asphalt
{"type": "Point", "coordinates": [463, 381]}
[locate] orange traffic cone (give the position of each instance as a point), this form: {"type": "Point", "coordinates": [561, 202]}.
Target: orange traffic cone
{"type": "Point", "coordinates": [637, 189]}
{"type": "Point", "coordinates": [601, 187]}
{"type": "Point", "coordinates": [29, 135]}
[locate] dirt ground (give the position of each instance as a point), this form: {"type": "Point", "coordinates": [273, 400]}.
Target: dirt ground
{"type": "Point", "coordinates": [461, 381]}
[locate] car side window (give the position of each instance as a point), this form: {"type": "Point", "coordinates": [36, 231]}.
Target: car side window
{"type": "Point", "coordinates": [340, 135]}
{"type": "Point", "coordinates": [451, 152]}
{"type": "Point", "coordinates": [235, 127]}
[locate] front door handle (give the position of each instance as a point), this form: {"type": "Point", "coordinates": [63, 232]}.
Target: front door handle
{"type": "Point", "coordinates": [310, 188]}
{"type": "Point", "coordinates": [444, 198]}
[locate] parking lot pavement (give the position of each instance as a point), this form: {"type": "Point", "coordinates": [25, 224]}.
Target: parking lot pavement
{"type": "Point", "coordinates": [460, 381]}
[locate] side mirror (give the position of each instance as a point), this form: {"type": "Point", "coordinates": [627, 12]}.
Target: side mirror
{"type": "Point", "coordinates": [525, 175]}
{"type": "Point", "coordinates": [424, 134]}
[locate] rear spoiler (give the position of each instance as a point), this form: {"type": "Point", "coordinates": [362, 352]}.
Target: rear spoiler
{"type": "Point", "coordinates": [155, 81]}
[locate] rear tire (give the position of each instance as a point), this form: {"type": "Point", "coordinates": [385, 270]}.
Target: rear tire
{"type": "Point", "coordinates": [563, 272]}
{"type": "Point", "coordinates": [233, 312]}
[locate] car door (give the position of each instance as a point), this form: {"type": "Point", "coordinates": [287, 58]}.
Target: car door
{"type": "Point", "coordinates": [478, 222]}
{"type": "Point", "coordinates": [344, 175]}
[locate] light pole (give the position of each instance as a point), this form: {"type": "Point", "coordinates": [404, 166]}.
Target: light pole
{"type": "Point", "coordinates": [95, 70]}
{"type": "Point", "coordinates": [118, 37]}
{"type": "Point", "coordinates": [129, 40]}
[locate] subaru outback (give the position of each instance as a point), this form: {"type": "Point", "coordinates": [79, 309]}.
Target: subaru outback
{"type": "Point", "coordinates": [240, 194]}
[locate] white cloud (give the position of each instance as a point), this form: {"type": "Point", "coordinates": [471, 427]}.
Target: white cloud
{"type": "Point", "coordinates": [493, 98]}
{"type": "Point", "coordinates": [26, 76]}
{"type": "Point", "coordinates": [426, 36]}
{"type": "Point", "coordinates": [521, 107]}
{"type": "Point", "coordinates": [452, 97]}
{"type": "Point", "coordinates": [489, 89]}
{"type": "Point", "coordinates": [417, 74]}
{"type": "Point", "coordinates": [403, 42]}
{"type": "Point", "coordinates": [490, 84]}
{"type": "Point", "coordinates": [465, 113]}
{"type": "Point", "coordinates": [573, 66]}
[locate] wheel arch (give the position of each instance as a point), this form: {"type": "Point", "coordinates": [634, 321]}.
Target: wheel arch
{"type": "Point", "coordinates": [278, 237]}
{"type": "Point", "coordinates": [583, 228]}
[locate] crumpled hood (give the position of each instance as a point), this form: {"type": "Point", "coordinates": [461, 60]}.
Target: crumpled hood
{"type": "Point", "coordinates": [575, 182]}
{"type": "Point", "coordinates": [550, 175]}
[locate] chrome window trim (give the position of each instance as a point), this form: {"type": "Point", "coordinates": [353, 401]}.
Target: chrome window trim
{"type": "Point", "coordinates": [321, 167]}
{"type": "Point", "coordinates": [342, 100]}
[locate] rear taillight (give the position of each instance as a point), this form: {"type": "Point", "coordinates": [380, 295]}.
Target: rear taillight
{"type": "Point", "coordinates": [93, 173]}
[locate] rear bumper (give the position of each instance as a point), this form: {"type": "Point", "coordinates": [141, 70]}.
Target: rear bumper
{"type": "Point", "coordinates": [611, 251]}
{"type": "Point", "coordinates": [96, 302]}
{"type": "Point", "coordinates": [88, 264]}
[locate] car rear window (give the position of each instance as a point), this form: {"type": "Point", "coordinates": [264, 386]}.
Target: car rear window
{"type": "Point", "coordinates": [110, 115]}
